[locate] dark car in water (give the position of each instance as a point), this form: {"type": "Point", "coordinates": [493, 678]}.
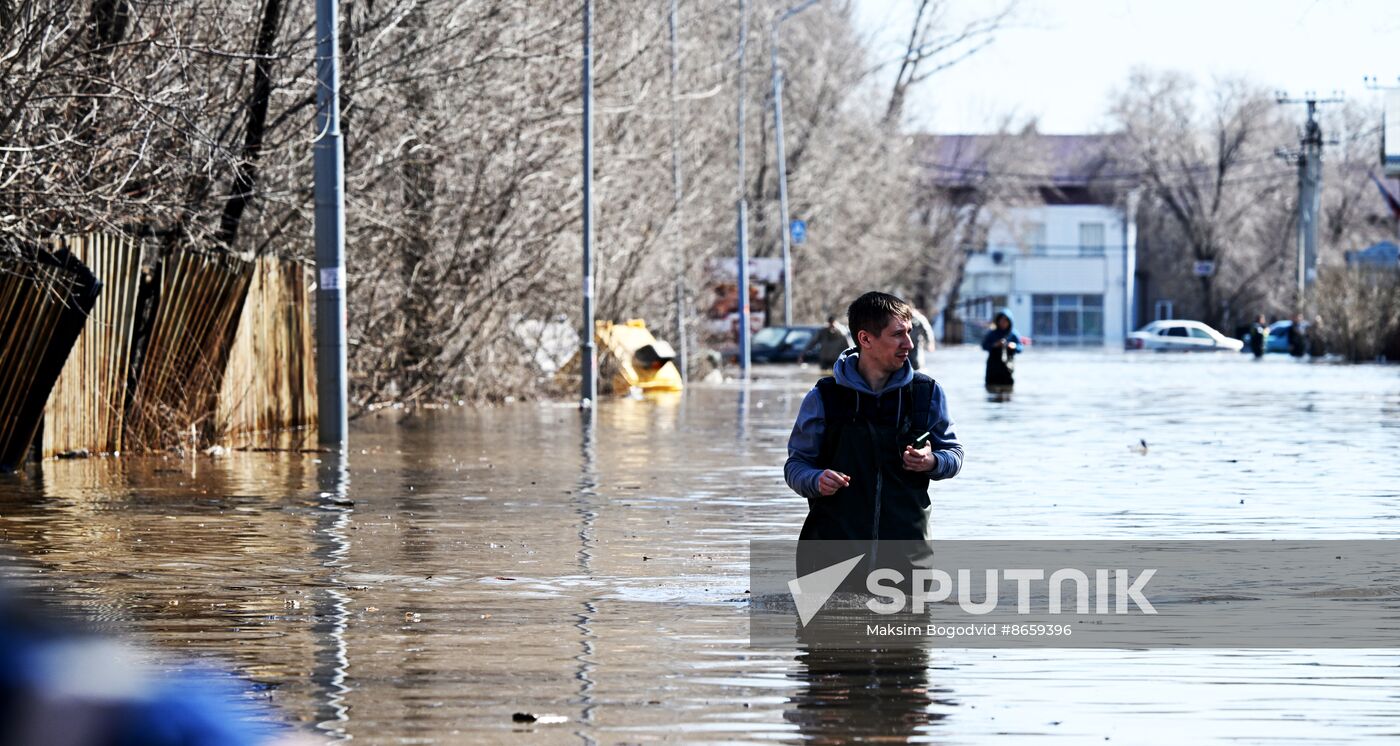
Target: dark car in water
{"type": "Point", "coordinates": [781, 344]}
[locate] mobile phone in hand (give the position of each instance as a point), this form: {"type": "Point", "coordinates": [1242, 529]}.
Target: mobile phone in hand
{"type": "Point", "coordinates": [920, 441]}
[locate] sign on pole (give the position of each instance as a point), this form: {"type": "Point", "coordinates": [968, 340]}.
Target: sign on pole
{"type": "Point", "coordinates": [1204, 269]}
{"type": "Point", "coordinates": [799, 231]}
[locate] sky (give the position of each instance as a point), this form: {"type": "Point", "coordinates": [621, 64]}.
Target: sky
{"type": "Point", "coordinates": [1062, 60]}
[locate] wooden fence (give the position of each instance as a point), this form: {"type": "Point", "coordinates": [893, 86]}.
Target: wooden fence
{"type": "Point", "coordinates": [44, 300]}
{"type": "Point", "coordinates": [85, 410]}
{"type": "Point", "coordinates": [228, 348]}
{"type": "Point", "coordinates": [270, 382]}
{"type": "Point", "coordinates": [181, 372]}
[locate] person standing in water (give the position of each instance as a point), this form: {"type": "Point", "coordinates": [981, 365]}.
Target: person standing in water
{"type": "Point", "coordinates": [869, 439]}
{"type": "Point", "coordinates": [922, 336]}
{"type": "Point", "coordinates": [1258, 333]}
{"type": "Point", "coordinates": [1002, 346]}
{"type": "Point", "coordinates": [829, 343]}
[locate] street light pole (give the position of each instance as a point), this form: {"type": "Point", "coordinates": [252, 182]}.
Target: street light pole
{"type": "Point", "coordinates": [742, 205]}
{"type": "Point", "coordinates": [677, 197]}
{"type": "Point", "coordinates": [784, 221]}
{"type": "Point", "coordinates": [328, 157]}
{"type": "Point", "coordinates": [589, 384]}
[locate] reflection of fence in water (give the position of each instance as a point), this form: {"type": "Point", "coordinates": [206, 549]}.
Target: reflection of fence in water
{"type": "Point", "coordinates": [85, 410]}
{"type": "Point", "coordinates": [44, 300]}
{"type": "Point", "coordinates": [270, 382]}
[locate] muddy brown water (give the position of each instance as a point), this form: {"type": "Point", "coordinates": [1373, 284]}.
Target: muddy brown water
{"type": "Point", "coordinates": [471, 564]}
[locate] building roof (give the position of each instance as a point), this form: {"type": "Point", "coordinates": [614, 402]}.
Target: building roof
{"type": "Point", "coordinates": [1054, 161]}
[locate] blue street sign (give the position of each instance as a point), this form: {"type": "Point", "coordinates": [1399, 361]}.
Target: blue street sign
{"type": "Point", "coordinates": [799, 231]}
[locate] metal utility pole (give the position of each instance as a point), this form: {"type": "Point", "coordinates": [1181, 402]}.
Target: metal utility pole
{"type": "Point", "coordinates": [328, 155]}
{"type": "Point", "coordinates": [589, 389]}
{"type": "Point", "coordinates": [678, 195]}
{"type": "Point", "coordinates": [1309, 159]}
{"type": "Point", "coordinates": [742, 205]}
{"type": "Point", "coordinates": [784, 221]}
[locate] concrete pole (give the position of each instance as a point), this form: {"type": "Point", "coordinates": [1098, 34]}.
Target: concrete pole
{"type": "Point", "coordinates": [783, 221]}
{"type": "Point", "coordinates": [589, 388]}
{"type": "Point", "coordinates": [678, 195]}
{"type": "Point", "coordinates": [1309, 198]}
{"type": "Point", "coordinates": [742, 205]}
{"type": "Point", "coordinates": [1309, 193]}
{"type": "Point", "coordinates": [1130, 207]}
{"type": "Point", "coordinates": [328, 156]}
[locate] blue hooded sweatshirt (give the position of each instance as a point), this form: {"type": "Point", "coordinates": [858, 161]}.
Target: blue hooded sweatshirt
{"type": "Point", "coordinates": [994, 334]}
{"type": "Point", "coordinates": [804, 445]}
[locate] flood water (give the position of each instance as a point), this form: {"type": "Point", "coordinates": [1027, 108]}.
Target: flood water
{"type": "Point", "coordinates": [471, 564]}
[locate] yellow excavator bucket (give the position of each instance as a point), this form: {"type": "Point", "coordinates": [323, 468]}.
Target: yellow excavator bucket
{"type": "Point", "coordinates": [636, 359]}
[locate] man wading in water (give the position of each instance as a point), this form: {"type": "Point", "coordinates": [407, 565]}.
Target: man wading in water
{"type": "Point", "coordinates": [870, 438]}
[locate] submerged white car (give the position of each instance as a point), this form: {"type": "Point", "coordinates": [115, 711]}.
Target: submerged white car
{"type": "Point", "coordinates": [1178, 335]}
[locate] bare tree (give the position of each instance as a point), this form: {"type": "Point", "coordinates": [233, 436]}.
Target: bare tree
{"type": "Point", "coordinates": [191, 124]}
{"type": "Point", "coordinates": [936, 44]}
{"type": "Point", "coordinates": [1213, 175]}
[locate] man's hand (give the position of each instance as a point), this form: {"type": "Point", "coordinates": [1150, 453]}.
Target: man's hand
{"type": "Point", "coordinates": [920, 459]}
{"type": "Point", "coordinates": [831, 481]}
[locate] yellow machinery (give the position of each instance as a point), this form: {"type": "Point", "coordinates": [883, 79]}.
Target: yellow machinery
{"type": "Point", "coordinates": [635, 359]}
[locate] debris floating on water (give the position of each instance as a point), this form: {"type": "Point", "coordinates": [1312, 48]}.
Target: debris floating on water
{"type": "Point", "coordinates": [530, 717]}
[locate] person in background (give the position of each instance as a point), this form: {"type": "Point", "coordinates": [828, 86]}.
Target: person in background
{"type": "Point", "coordinates": [1317, 344]}
{"type": "Point", "coordinates": [1002, 346]}
{"type": "Point", "coordinates": [1297, 338]}
{"type": "Point", "coordinates": [922, 336]}
{"type": "Point", "coordinates": [828, 343]}
{"type": "Point", "coordinates": [1258, 332]}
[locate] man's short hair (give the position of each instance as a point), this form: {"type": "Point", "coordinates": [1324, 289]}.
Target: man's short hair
{"type": "Point", "coordinates": [873, 311]}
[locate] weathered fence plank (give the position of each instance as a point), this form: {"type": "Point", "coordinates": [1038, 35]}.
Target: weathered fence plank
{"type": "Point", "coordinates": [270, 384]}
{"type": "Point", "coordinates": [85, 410]}
{"type": "Point", "coordinates": [182, 369]}
{"type": "Point", "coordinates": [45, 299]}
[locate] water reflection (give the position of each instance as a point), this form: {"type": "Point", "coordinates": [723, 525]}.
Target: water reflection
{"type": "Point", "coordinates": [333, 656]}
{"type": "Point", "coordinates": [584, 500]}
{"type": "Point", "coordinates": [857, 695]}
{"type": "Point", "coordinates": [489, 561]}
{"type": "Point", "coordinates": [741, 418]}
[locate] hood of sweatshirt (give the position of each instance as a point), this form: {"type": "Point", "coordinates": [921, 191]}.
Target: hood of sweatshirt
{"type": "Point", "coordinates": [847, 375]}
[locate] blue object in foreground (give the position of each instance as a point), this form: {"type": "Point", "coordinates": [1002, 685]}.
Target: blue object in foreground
{"type": "Point", "coordinates": [66, 686]}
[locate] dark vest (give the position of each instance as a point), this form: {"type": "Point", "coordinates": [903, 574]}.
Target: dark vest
{"type": "Point", "coordinates": [864, 438]}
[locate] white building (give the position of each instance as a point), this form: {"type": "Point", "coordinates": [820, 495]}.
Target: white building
{"type": "Point", "coordinates": [1064, 265]}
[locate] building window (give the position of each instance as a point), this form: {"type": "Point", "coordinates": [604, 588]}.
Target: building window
{"type": "Point", "coordinates": [1035, 237]}
{"type": "Point", "coordinates": [1091, 239]}
{"type": "Point", "coordinates": [1162, 309]}
{"type": "Point", "coordinates": [1067, 319]}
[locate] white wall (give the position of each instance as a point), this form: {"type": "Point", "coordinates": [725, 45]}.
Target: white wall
{"type": "Point", "coordinates": [1061, 225]}
{"type": "Point", "coordinates": [1060, 268]}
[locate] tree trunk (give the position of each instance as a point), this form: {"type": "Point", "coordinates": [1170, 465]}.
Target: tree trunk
{"type": "Point", "coordinates": [245, 177]}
